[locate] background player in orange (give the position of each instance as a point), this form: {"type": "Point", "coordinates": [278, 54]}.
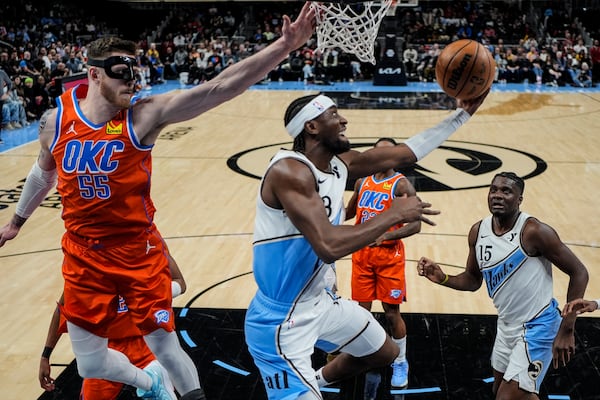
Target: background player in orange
{"type": "Point", "coordinates": [98, 143]}
{"type": "Point", "coordinates": [124, 337]}
{"type": "Point", "coordinates": [378, 270]}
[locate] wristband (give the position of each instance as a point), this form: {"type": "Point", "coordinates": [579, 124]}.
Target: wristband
{"type": "Point", "coordinates": [445, 280]}
{"type": "Point", "coordinates": [597, 304]}
{"type": "Point", "coordinates": [175, 289]}
{"type": "Point", "coordinates": [47, 352]}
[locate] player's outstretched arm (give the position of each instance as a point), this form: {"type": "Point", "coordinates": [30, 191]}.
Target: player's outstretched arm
{"type": "Point", "coordinates": [236, 78]}
{"type": "Point", "coordinates": [415, 148]}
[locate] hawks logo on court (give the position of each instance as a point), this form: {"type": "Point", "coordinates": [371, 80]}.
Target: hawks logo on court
{"type": "Point", "coordinates": [535, 369]}
{"type": "Point", "coordinates": [454, 166]}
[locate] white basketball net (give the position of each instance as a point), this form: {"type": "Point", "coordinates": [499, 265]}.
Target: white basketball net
{"type": "Point", "coordinates": [351, 27]}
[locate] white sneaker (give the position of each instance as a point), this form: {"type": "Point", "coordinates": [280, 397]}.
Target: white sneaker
{"type": "Point", "coordinates": [162, 387]}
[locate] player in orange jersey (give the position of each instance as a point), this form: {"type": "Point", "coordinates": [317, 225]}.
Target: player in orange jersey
{"type": "Point", "coordinates": [124, 337]}
{"type": "Point", "coordinates": [98, 142]}
{"type": "Point", "coordinates": [378, 270]}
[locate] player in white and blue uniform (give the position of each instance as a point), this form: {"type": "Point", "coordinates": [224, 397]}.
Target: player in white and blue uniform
{"type": "Point", "coordinates": [298, 236]}
{"type": "Point", "coordinates": [513, 253]}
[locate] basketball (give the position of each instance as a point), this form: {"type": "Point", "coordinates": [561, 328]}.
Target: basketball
{"type": "Point", "coordinates": [465, 69]}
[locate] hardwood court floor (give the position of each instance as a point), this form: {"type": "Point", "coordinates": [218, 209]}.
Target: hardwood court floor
{"type": "Point", "coordinates": [205, 208]}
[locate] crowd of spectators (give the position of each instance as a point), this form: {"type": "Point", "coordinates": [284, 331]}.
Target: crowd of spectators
{"type": "Point", "coordinates": [195, 43]}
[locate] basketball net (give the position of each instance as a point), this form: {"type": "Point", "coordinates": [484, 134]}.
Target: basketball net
{"type": "Point", "coordinates": [351, 27]}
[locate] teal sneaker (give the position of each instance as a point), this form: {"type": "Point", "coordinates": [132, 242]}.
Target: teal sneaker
{"type": "Point", "coordinates": [162, 388]}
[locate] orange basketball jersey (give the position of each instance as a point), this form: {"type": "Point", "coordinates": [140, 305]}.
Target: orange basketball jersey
{"type": "Point", "coordinates": [103, 171]}
{"type": "Point", "coordinates": [375, 196]}
{"type": "Point", "coordinates": [378, 272]}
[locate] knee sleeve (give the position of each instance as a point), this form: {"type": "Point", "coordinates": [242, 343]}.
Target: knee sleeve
{"type": "Point", "coordinates": [90, 351]}
{"type": "Point", "coordinates": [96, 360]}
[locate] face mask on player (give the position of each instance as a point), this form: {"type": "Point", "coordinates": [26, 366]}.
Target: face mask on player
{"type": "Point", "coordinates": [116, 67]}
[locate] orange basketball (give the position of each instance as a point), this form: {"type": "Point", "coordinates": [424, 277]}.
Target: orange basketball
{"type": "Point", "coordinates": [465, 69]}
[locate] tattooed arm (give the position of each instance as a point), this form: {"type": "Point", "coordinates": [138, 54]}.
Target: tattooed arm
{"type": "Point", "coordinates": [41, 178]}
{"type": "Point", "coordinates": [46, 135]}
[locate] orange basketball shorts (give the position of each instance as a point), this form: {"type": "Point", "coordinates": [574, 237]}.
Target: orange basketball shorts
{"type": "Point", "coordinates": [378, 273]}
{"type": "Point", "coordinates": [96, 272]}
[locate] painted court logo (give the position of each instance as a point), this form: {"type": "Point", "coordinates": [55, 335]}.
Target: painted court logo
{"type": "Point", "coordinates": [455, 166]}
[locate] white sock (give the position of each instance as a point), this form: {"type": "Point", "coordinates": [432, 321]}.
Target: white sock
{"type": "Point", "coordinates": [402, 346]}
{"type": "Point", "coordinates": [320, 379]}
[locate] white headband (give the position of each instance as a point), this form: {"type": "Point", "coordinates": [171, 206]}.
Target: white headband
{"type": "Point", "coordinates": [312, 110]}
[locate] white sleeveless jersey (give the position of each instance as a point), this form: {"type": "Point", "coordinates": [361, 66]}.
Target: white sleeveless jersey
{"type": "Point", "coordinates": [285, 266]}
{"type": "Point", "coordinates": [520, 285]}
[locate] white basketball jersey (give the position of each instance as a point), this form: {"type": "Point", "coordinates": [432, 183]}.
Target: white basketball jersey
{"type": "Point", "coordinates": [520, 285]}
{"type": "Point", "coordinates": [285, 266]}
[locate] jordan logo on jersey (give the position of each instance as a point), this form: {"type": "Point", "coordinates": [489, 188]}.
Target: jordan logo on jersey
{"type": "Point", "coordinates": [149, 246]}
{"type": "Point", "coordinates": [71, 129]}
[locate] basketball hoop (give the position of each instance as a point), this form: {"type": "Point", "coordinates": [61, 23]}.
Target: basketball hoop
{"type": "Point", "coordinates": [350, 25]}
